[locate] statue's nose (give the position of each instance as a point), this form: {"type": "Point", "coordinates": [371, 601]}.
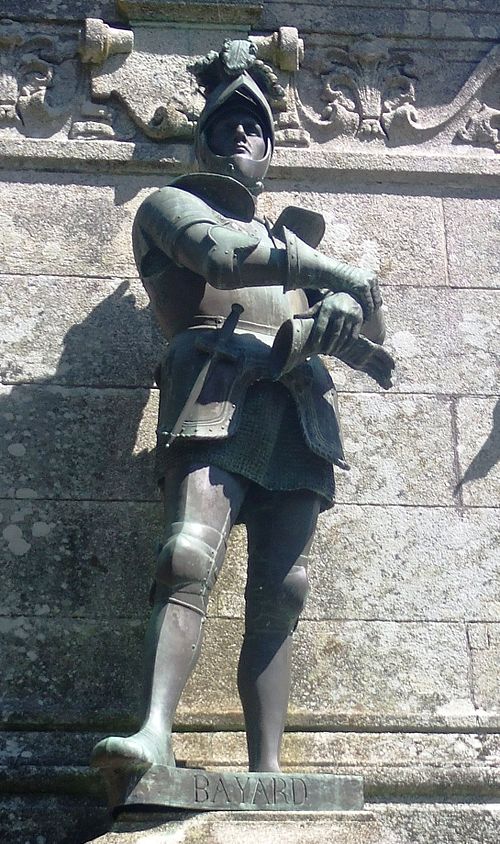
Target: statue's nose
{"type": "Point", "coordinates": [239, 131]}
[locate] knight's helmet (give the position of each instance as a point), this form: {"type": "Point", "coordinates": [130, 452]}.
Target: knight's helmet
{"type": "Point", "coordinates": [228, 83]}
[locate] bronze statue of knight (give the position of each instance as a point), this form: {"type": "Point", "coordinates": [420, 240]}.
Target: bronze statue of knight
{"type": "Point", "coordinates": [251, 443]}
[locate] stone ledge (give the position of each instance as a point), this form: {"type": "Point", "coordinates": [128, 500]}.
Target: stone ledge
{"type": "Point", "coordinates": [388, 824]}
{"type": "Point", "coordinates": [409, 167]}
{"type": "Point", "coordinates": [394, 766]}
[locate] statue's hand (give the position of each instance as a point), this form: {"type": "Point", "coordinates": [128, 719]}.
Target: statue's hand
{"type": "Point", "coordinates": [359, 283]}
{"type": "Point", "coordinates": [337, 322]}
{"type": "Point", "coordinates": [371, 358]}
{"type": "Point", "coordinates": [380, 367]}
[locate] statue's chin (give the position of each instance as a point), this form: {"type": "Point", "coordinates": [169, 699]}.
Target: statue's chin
{"type": "Point", "coordinates": [242, 168]}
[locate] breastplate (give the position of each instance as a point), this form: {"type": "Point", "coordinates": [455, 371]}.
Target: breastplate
{"type": "Point", "coordinates": [181, 299]}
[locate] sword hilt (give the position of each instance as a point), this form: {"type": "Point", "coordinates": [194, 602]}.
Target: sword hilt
{"type": "Point", "coordinates": [231, 321]}
{"type": "Point", "coordinates": [216, 346]}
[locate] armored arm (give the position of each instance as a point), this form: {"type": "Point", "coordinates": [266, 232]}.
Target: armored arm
{"type": "Point", "coordinates": [194, 235]}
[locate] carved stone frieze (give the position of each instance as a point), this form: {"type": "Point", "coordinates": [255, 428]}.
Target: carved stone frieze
{"type": "Point", "coordinates": [99, 41]}
{"type": "Point", "coordinates": [371, 90]}
{"type": "Point", "coordinates": [155, 85]}
{"type": "Point", "coordinates": [285, 50]}
{"type": "Point", "coordinates": [152, 82]}
{"type": "Point", "coordinates": [363, 85]}
{"type": "Point", "coordinates": [136, 84]}
{"type": "Point", "coordinates": [483, 128]}
{"type": "Point", "coordinates": [446, 123]}
{"type": "Point", "coordinates": [38, 80]}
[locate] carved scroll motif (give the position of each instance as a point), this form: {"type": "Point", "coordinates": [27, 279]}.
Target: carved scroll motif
{"type": "Point", "coordinates": [37, 80]}
{"type": "Point", "coordinates": [158, 89]}
{"type": "Point", "coordinates": [483, 128]}
{"type": "Point", "coordinates": [370, 90]}
{"type": "Point", "coordinates": [448, 121]}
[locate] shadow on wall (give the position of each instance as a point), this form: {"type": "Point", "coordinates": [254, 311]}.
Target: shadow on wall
{"type": "Point", "coordinates": [117, 344]}
{"type": "Point", "coordinates": [73, 460]}
{"type": "Point", "coordinates": [78, 503]}
{"type": "Point", "coordinates": [83, 442]}
{"type": "Point", "coordinates": [487, 456]}
{"type": "Point", "coordinates": [75, 558]}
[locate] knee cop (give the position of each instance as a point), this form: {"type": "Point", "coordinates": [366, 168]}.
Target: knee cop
{"type": "Point", "coordinates": [275, 606]}
{"type": "Point", "coordinates": [188, 564]}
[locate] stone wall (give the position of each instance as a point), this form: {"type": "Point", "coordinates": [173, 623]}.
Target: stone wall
{"type": "Point", "coordinates": [390, 128]}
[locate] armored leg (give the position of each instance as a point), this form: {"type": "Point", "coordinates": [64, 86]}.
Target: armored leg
{"type": "Point", "coordinates": [201, 504]}
{"type": "Point", "coordinates": [280, 532]}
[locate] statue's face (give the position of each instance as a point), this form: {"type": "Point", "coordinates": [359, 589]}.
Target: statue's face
{"type": "Point", "coordinates": [237, 134]}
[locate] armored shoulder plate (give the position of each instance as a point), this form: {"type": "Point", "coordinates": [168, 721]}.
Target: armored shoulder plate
{"type": "Point", "coordinates": [306, 224]}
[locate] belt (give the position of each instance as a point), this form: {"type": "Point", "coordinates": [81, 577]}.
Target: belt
{"type": "Point", "coordinates": [266, 333]}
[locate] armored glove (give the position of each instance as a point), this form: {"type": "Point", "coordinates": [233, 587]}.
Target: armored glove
{"type": "Point", "coordinates": [331, 327]}
{"type": "Point", "coordinates": [308, 268]}
{"type": "Point", "coordinates": [337, 320]}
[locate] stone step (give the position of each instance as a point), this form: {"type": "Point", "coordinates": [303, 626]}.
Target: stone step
{"type": "Point", "coordinates": [379, 824]}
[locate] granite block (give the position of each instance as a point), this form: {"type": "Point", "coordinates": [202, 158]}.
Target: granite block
{"type": "Point", "coordinates": [443, 341]}
{"type": "Point", "coordinates": [381, 824]}
{"type": "Point", "coordinates": [73, 672]}
{"type": "Point", "coordinates": [312, 17]}
{"type": "Point", "coordinates": [457, 24]}
{"type": "Point", "coordinates": [51, 819]}
{"type": "Point", "coordinates": [61, 10]}
{"type": "Point", "coordinates": [399, 449]}
{"type": "Point", "coordinates": [485, 664]}
{"type": "Point", "coordinates": [80, 443]}
{"type": "Point", "coordinates": [78, 672]}
{"type": "Point", "coordinates": [67, 224]}
{"type": "Point", "coordinates": [77, 558]}
{"type": "Point", "coordinates": [346, 673]}
{"type": "Point", "coordinates": [478, 422]}
{"type": "Point", "coordinates": [77, 331]}
{"type": "Point", "coordinates": [472, 227]}
{"type": "Point", "coordinates": [388, 563]}
{"type": "Point", "coordinates": [399, 236]}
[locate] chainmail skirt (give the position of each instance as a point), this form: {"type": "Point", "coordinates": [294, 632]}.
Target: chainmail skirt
{"type": "Point", "coordinates": [268, 447]}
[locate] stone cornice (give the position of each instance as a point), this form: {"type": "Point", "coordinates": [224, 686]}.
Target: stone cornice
{"type": "Point", "coordinates": [97, 156]}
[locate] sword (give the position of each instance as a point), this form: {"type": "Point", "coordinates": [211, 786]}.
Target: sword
{"type": "Point", "coordinates": [216, 351]}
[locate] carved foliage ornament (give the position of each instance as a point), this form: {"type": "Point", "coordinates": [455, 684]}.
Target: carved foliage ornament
{"type": "Point", "coordinates": [369, 88]}
{"type": "Point", "coordinates": [483, 128]}
{"type": "Point", "coordinates": [370, 91]}
{"type": "Point", "coordinates": [363, 85]}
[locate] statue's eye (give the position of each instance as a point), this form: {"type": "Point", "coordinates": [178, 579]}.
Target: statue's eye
{"type": "Point", "coordinates": [252, 128]}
